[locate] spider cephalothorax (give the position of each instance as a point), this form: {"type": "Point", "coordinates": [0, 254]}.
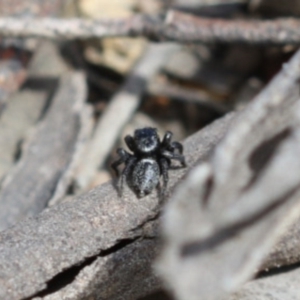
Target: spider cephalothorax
{"type": "Point", "coordinates": [151, 159]}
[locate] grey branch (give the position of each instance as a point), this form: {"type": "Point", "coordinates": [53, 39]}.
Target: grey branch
{"type": "Point", "coordinates": [174, 26]}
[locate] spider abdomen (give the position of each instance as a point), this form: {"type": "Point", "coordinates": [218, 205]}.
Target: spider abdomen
{"type": "Point", "coordinates": [145, 176]}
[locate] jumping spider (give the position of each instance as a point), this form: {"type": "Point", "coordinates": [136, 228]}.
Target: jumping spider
{"type": "Point", "coordinates": [151, 158]}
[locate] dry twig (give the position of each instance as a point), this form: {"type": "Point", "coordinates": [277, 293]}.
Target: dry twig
{"type": "Point", "coordinates": [174, 91]}
{"type": "Point", "coordinates": [175, 26]}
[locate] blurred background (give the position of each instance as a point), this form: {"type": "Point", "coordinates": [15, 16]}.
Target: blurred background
{"type": "Point", "coordinates": [68, 146]}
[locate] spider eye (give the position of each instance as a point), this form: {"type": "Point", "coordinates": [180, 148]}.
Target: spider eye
{"type": "Point", "coordinates": [146, 132]}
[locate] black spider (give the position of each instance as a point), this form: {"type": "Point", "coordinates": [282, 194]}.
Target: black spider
{"type": "Point", "coordinates": [151, 158]}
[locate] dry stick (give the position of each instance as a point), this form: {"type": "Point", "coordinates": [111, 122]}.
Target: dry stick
{"type": "Point", "coordinates": [120, 110]}
{"type": "Point", "coordinates": [47, 63]}
{"type": "Point", "coordinates": [174, 91]}
{"type": "Point", "coordinates": [175, 26]}
{"type": "Point", "coordinates": [65, 235]}
{"type": "Point", "coordinates": [28, 188]}
{"type": "Point", "coordinates": [187, 28]}
{"type": "Point", "coordinates": [79, 146]}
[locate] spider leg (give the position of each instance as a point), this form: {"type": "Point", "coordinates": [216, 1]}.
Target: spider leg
{"type": "Point", "coordinates": [124, 156]}
{"type": "Point", "coordinates": [171, 146]}
{"type": "Point", "coordinates": [175, 156]}
{"type": "Point", "coordinates": [164, 167]}
{"type": "Point", "coordinates": [130, 142]}
{"type": "Point", "coordinates": [129, 163]}
{"type": "Point", "coordinates": [167, 139]}
{"type": "Point", "coordinates": [177, 146]}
